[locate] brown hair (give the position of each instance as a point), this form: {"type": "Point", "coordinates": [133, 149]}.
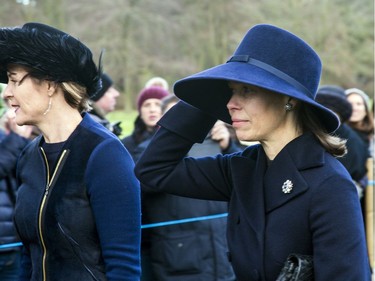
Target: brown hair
{"type": "Point", "coordinates": [309, 122]}
{"type": "Point", "coordinates": [366, 125]}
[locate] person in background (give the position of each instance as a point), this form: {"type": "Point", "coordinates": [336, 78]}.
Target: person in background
{"type": "Point", "coordinates": [149, 113]}
{"type": "Point", "coordinates": [193, 250]}
{"type": "Point", "coordinates": [158, 82]}
{"type": "Point", "coordinates": [13, 139]}
{"type": "Point", "coordinates": [288, 194]}
{"type": "Point", "coordinates": [333, 97]}
{"type": "Point", "coordinates": [77, 211]}
{"type": "Point", "coordinates": [362, 122]}
{"type": "Point", "coordinates": [362, 119]}
{"type": "Point", "coordinates": [104, 102]}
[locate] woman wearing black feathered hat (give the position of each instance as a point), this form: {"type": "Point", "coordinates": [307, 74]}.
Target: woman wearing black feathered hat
{"type": "Point", "coordinates": [287, 195]}
{"type": "Point", "coordinates": [78, 204]}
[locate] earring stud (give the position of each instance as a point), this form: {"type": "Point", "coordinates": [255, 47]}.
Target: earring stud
{"type": "Point", "coordinates": [288, 107]}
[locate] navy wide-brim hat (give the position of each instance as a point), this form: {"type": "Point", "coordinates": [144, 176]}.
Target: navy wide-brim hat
{"type": "Point", "coordinates": [268, 57]}
{"type": "Point", "coordinates": [53, 53]}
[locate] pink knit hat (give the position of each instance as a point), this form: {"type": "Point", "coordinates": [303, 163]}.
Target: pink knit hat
{"type": "Point", "coordinates": [153, 92]}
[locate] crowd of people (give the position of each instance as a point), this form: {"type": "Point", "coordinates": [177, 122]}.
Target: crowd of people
{"type": "Point", "coordinates": [257, 140]}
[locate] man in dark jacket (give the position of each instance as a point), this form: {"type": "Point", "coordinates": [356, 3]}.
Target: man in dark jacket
{"type": "Point", "coordinates": [104, 102]}
{"type": "Point", "coordinates": [196, 250]}
{"type": "Point", "coordinates": [12, 141]}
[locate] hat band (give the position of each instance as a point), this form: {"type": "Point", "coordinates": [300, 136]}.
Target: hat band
{"type": "Point", "coordinates": [274, 71]}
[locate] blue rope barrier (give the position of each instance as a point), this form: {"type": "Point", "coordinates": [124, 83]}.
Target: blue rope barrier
{"type": "Point", "coordinates": [19, 244]}
{"type": "Point", "coordinates": [11, 245]}
{"type": "Point", "coordinates": [184, 220]}
{"type": "Point", "coordinates": [159, 224]}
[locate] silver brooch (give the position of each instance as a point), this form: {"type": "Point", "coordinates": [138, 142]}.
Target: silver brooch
{"type": "Point", "coordinates": [287, 186]}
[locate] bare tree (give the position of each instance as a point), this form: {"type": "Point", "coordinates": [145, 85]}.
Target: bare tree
{"type": "Point", "coordinates": [169, 38]}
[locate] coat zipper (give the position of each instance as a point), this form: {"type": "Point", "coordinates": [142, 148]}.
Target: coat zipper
{"type": "Point", "coordinates": [43, 203]}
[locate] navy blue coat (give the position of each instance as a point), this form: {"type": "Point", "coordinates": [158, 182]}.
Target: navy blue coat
{"type": "Point", "coordinates": [321, 216]}
{"type": "Point", "coordinates": [83, 221]}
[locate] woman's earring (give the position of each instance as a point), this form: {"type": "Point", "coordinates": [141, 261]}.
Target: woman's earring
{"type": "Point", "coordinates": [288, 107]}
{"type": "Point", "coordinates": [49, 106]}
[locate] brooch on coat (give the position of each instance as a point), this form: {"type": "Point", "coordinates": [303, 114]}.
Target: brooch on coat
{"type": "Point", "coordinates": [287, 186]}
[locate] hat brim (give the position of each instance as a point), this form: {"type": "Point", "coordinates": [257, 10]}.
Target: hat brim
{"type": "Point", "coordinates": [208, 90]}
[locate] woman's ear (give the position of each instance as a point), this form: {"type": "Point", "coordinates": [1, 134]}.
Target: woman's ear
{"type": "Point", "coordinates": [293, 102]}
{"type": "Point", "coordinates": [51, 87]}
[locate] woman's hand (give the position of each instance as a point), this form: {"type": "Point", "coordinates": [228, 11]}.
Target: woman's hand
{"type": "Point", "coordinates": [221, 134]}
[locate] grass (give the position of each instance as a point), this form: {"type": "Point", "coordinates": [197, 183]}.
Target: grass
{"type": "Point", "coordinates": [126, 118]}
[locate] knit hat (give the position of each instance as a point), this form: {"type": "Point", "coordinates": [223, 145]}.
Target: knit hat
{"type": "Point", "coordinates": [106, 84]}
{"type": "Point", "coordinates": [157, 81]}
{"type": "Point", "coordinates": [153, 92]}
{"type": "Point", "coordinates": [333, 97]}
{"type": "Point", "coordinates": [361, 93]}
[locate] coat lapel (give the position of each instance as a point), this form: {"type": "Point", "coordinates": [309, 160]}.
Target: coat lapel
{"type": "Point", "coordinates": [282, 183]}
{"type": "Point", "coordinates": [285, 170]}
{"type": "Point", "coordinates": [259, 188]}
{"type": "Point", "coordinates": [249, 189]}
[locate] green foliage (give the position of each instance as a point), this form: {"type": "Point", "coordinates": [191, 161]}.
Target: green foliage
{"type": "Point", "coordinates": [127, 119]}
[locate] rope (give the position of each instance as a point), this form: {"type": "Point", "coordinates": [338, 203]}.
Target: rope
{"type": "Point", "coordinates": [159, 224]}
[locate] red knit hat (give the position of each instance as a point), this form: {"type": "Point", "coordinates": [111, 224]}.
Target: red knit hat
{"type": "Point", "coordinates": [153, 92]}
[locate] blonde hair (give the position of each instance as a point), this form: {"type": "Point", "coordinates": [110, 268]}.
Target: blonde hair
{"type": "Point", "coordinates": [76, 96]}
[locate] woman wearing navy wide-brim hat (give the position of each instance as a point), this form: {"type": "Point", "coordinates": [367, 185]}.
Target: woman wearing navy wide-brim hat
{"type": "Point", "coordinates": [289, 194]}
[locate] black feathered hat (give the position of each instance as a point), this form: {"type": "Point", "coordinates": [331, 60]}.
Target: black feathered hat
{"type": "Point", "coordinates": [51, 52]}
{"type": "Point", "coordinates": [106, 84]}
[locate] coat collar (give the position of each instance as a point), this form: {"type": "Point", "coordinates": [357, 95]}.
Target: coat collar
{"type": "Point", "coordinates": [260, 187]}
